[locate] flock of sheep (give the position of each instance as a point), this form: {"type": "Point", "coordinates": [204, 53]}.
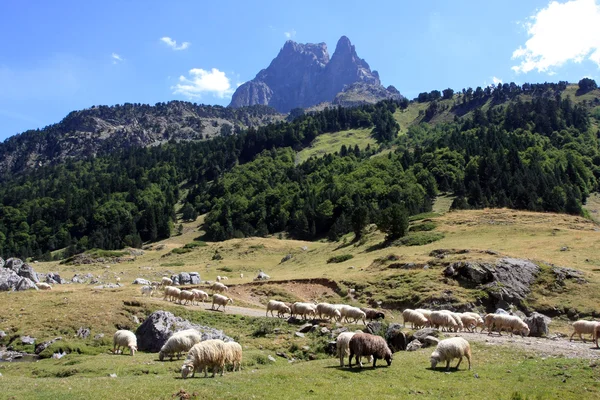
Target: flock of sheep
{"type": "Point", "coordinates": [335, 312]}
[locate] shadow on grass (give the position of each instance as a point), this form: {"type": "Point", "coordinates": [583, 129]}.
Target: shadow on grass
{"type": "Point", "coordinates": [356, 369]}
{"type": "Point", "coordinates": [378, 246]}
{"type": "Point", "coordinates": [443, 369]}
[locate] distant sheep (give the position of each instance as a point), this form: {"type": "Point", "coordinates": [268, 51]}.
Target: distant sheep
{"type": "Point", "coordinates": [179, 342]}
{"type": "Point", "coordinates": [187, 296]}
{"type": "Point", "coordinates": [426, 313]}
{"type": "Point", "coordinates": [233, 355]}
{"type": "Point", "coordinates": [147, 290]}
{"type": "Point", "coordinates": [596, 335]}
{"type": "Point", "coordinates": [166, 281]}
{"type": "Point", "coordinates": [124, 338]}
{"type": "Point", "coordinates": [365, 344]}
{"type": "Point", "coordinates": [417, 319]}
{"type": "Point", "coordinates": [204, 355]}
{"type": "Point", "coordinates": [218, 278]}
{"type": "Point", "coordinates": [583, 327]}
{"type": "Point", "coordinates": [510, 323]}
{"type": "Point", "coordinates": [242, 275]}
{"type": "Point", "coordinates": [459, 325]}
{"type": "Point", "coordinates": [488, 322]}
{"type": "Point", "coordinates": [279, 306]}
{"type": "Point", "coordinates": [476, 316]}
{"type": "Point", "coordinates": [441, 319]}
{"type": "Point", "coordinates": [171, 293]}
{"type": "Point", "coordinates": [43, 286]}
{"type": "Point", "coordinates": [372, 314]}
{"type": "Point", "coordinates": [303, 309]}
{"type": "Point", "coordinates": [200, 295]}
{"type": "Point", "coordinates": [469, 322]}
{"type": "Point", "coordinates": [449, 349]}
{"type": "Point", "coordinates": [220, 300]}
{"type": "Point", "coordinates": [353, 313]}
{"type": "Point", "coordinates": [218, 287]}
{"type": "Point", "coordinates": [329, 311]}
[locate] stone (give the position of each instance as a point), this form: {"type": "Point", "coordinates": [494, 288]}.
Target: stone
{"type": "Point", "coordinates": [112, 375]}
{"type": "Point", "coordinates": [8, 279]}
{"type": "Point", "coordinates": [194, 278]}
{"type": "Point", "coordinates": [83, 333]}
{"type": "Point", "coordinates": [27, 340]}
{"type": "Point", "coordinates": [2, 262]}
{"type": "Point", "coordinates": [53, 278]}
{"type": "Point", "coordinates": [299, 334]}
{"type": "Point", "coordinates": [141, 281]}
{"type": "Point", "coordinates": [262, 276]}
{"type": "Point", "coordinates": [25, 284]}
{"type": "Point", "coordinates": [305, 328]}
{"type": "Point", "coordinates": [324, 331]}
{"type": "Point", "coordinates": [374, 328]}
{"type": "Point", "coordinates": [501, 311]}
{"type": "Point", "coordinates": [99, 336]}
{"type": "Point", "coordinates": [14, 264]}
{"type": "Point", "coordinates": [26, 271]}
{"type": "Point", "coordinates": [2, 333]}
{"type": "Point", "coordinates": [304, 248]}
{"type": "Point", "coordinates": [562, 273]}
{"type": "Point", "coordinates": [286, 258]}
{"type": "Point", "coordinates": [538, 324]}
{"type": "Point", "coordinates": [414, 345]}
{"type": "Point", "coordinates": [44, 345]}
{"type": "Point", "coordinates": [160, 325]}
{"type": "Point", "coordinates": [335, 333]}
{"type": "Point", "coordinates": [184, 278]}
{"type": "Point", "coordinates": [430, 341]}
{"type": "Point", "coordinates": [175, 279]}
{"type": "Point", "coordinates": [271, 358]}
{"type": "Point", "coordinates": [421, 334]}
{"type": "Point", "coordinates": [395, 338]}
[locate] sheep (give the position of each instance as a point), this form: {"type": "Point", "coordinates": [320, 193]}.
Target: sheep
{"type": "Point", "coordinates": [218, 278]}
{"type": "Point", "coordinates": [477, 317]}
{"type": "Point", "coordinates": [124, 338]}
{"type": "Point", "coordinates": [200, 295]}
{"type": "Point", "coordinates": [442, 319]}
{"type": "Point", "coordinates": [426, 313]}
{"type": "Point", "coordinates": [274, 305]}
{"type": "Point", "coordinates": [584, 327]}
{"type": "Point", "coordinates": [342, 344]}
{"type": "Point", "coordinates": [172, 293]}
{"type": "Point", "coordinates": [511, 323]}
{"type": "Point", "coordinates": [469, 322]}
{"type": "Point", "coordinates": [224, 278]}
{"type": "Point", "coordinates": [203, 355]}
{"type": "Point", "coordinates": [365, 344]}
{"type": "Point", "coordinates": [372, 314]}
{"type": "Point", "coordinates": [459, 325]}
{"type": "Point", "coordinates": [43, 286]}
{"type": "Point", "coordinates": [233, 355]}
{"type": "Point", "coordinates": [147, 290]}
{"type": "Point", "coordinates": [241, 275]}
{"type": "Point", "coordinates": [179, 342]}
{"type": "Point", "coordinates": [329, 311]}
{"type": "Point", "coordinates": [186, 295]}
{"type": "Point", "coordinates": [220, 300]}
{"type": "Point", "coordinates": [354, 313]}
{"type": "Point", "coordinates": [488, 322]}
{"type": "Point", "coordinates": [416, 318]}
{"type": "Point", "coordinates": [303, 309]}
{"type": "Point", "coordinates": [449, 349]}
{"type": "Point", "coordinates": [596, 335]}
{"type": "Point", "coordinates": [166, 282]}
{"type": "Point", "coordinates": [283, 310]}
{"type": "Point", "coordinates": [219, 287]}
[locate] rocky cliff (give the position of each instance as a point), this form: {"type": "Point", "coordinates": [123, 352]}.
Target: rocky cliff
{"type": "Point", "coordinates": [303, 75]}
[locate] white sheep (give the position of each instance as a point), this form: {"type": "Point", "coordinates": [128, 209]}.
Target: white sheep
{"type": "Point", "coordinates": [233, 355]}
{"type": "Point", "coordinates": [443, 319]}
{"type": "Point", "coordinates": [186, 295]}
{"type": "Point", "coordinates": [353, 313]}
{"type": "Point", "coordinates": [426, 313]}
{"type": "Point", "coordinates": [204, 355]}
{"type": "Point", "coordinates": [417, 319]}
{"type": "Point", "coordinates": [469, 322]}
{"type": "Point", "coordinates": [43, 286]}
{"type": "Point", "coordinates": [171, 293]}
{"type": "Point", "coordinates": [488, 322]}
{"type": "Point", "coordinates": [582, 327]}
{"type": "Point", "coordinates": [218, 287]}
{"type": "Point", "coordinates": [303, 309]}
{"type": "Point", "coordinates": [147, 290]}
{"type": "Point", "coordinates": [179, 342]}
{"type": "Point", "coordinates": [449, 349]}
{"type": "Point", "coordinates": [220, 300]}
{"type": "Point", "coordinates": [459, 325]}
{"type": "Point", "coordinates": [279, 306]}
{"type": "Point", "coordinates": [242, 275]}
{"type": "Point", "coordinates": [330, 311]}
{"type": "Point", "coordinates": [510, 323]}
{"type": "Point", "coordinates": [166, 282]}
{"type": "Point", "coordinates": [224, 278]}
{"type": "Point", "coordinates": [200, 295]}
{"type": "Point", "coordinates": [218, 278]}
{"type": "Point", "coordinates": [476, 316]}
{"type": "Point", "coordinates": [124, 338]}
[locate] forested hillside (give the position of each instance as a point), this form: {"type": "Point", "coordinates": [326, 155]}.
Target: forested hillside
{"type": "Point", "coordinates": [528, 147]}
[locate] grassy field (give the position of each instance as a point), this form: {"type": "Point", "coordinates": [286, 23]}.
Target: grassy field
{"type": "Point", "coordinates": [332, 142]}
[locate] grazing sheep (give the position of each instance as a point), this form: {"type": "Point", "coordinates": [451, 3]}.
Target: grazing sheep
{"type": "Point", "coordinates": [330, 311]}
{"type": "Point", "coordinates": [584, 327]}
{"type": "Point", "coordinates": [510, 323]}
{"type": "Point", "coordinates": [416, 318]}
{"type": "Point", "coordinates": [179, 342]}
{"type": "Point", "coordinates": [342, 344]}
{"type": "Point", "coordinates": [242, 275]}
{"type": "Point", "coordinates": [274, 305]}
{"type": "Point", "coordinates": [186, 295]}
{"type": "Point", "coordinates": [220, 300]}
{"type": "Point", "coordinates": [172, 293]}
{"type": "Point", "coordinates": [233, 355]}
{"type": "Point", "coordinates": [124, 338]}
{"type": "Point", "coordinates": [43, 286]}
{"type": "Point", "coordinates": [224, 278]}
{"type": "Point", "coordinates": [303, 309]}
{"type": "Point", "coordinates": [365, 344]}
{"type": "Point", "coordinates": [449, 349]}
{"type": "Point", "coordinates": [147, 290]}
{"type": "Point", "coordinates": [443, 319]}
{"type": "Point", "coordinates": [372, 314]}
{"type": "Point", "coordinates": [200, 295]}
{"type": "Point", "coordinates": [204, 355]}
{"type": "Point", "coordinates": [166, 282]}
{"type": "Point", "coordinates": [353, 313]}
{"type": "Point", "coordinates": [218, 287]}
{"type": "Point", "coordinates": [283, 310]}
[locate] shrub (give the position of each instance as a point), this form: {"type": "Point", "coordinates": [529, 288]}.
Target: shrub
{"type": "Point", "coordinates": [195, 244]}
{"type": "Point", "coordinates": [425, 226]}
{"type": "Point", "coordinates": [340, 258]}
{"type": "Point", "coordinates": [419, 238]}
{"type": "Point", "coordinates": [226, 269]}
{"type": "Point", "coordinates": [181, 250]}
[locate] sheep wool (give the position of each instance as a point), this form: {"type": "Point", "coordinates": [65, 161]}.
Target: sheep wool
{"type": "Point", "coordinates": [218, 287]}
{"type": "Point", "coordinates": [372, 314]}
{"type": "Point", "coordinates": [220, 300]}
{"type": "Point", "coordinates": [179, 342]}
{"type": "Point", "coordinates": [275, 305]}
{"type": "Point", "coordinates": [200, 295]}
{"type": "Point", "coordinates": [365, 344]}
{"type": "Point", "coordinates": [416, 318]}
{"type": "Point", "coordinates": [233, 355]}
{"type": "Point", "coordinates": [583, 327]}
{"type": "Point", "coordinates": [43, 286]}
{"type": "Point", "coordinates": [449, 349]}
{"type": "Point", "coordinates": [124, 338]}
{"type": "Point", "coordinates": [204, 355]}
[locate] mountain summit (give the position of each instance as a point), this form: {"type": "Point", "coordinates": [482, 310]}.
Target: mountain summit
{"type": "Point", "coordinates": [303, 75]}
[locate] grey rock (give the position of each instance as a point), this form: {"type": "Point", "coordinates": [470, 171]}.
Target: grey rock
{"type": "Point", "coordinates": [305, 328]}
{"type": "Point", "coordinates": [562, 273]}
{"type": "Point", "coordinates": [98, 336]}
{"type": "Point", "coordinates": [53, 278]}
{"type": "Point", "coordinates": [8, 279]}
{"type": "Point", "coordinates": [26, 271]}
{"type": "Point", "coordinates": [2, 262]}
{"type": "Point", "coordinates": [271, 358]}
{"type": "Point", "coordinates": [44, 345]}
{"type": "Point", "coordinates": [184, 278]}
{"type": "Point", "coordinates": [324, 331]}
{"type": "Point", "coordinates": [335, 333]}
{"type": "Point", "coordinates": [421, 334]}
{"type": "Point", "coordinates": [538, 324]}
{"type": "Point", "coordinates": [395, 338]}
{"type": "Point", "coordinates": [175, 279]}
{"type": "Point", "coordinates": [160, 325]}
{"type": "Point", "coordinates": [262, 276]}
{"type": "Point", "coordinates": [299, 334]}
{"type": "Point", "coordinates": [194, 278]}
{"type": "Point", "coordinates": [141, 281]}
{"type": "Point", "coordinates": [83, 333]}
{"type": "Point", "coordinates": [375, 328]}
{"type": "Point", "coordinates": [14, 264]}
{"type": "Point", "coordinates": [501, 311]}
{"type": "Point", "coordinates": [414, 345]}
{"type": "Point", "coordinates": [27, 340]}
{"type": "Point", "coordinates": [25, 284]}
{"type": "Point", "coordinates": [286, 258]}
{"type": "Point", "coordinates": [430, 341]}
{"type": "Point", "coordinates": [2, 335]}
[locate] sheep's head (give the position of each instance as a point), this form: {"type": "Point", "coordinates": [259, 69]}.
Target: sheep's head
{"type": "Point", "coordinates": [388, 358]}
{"type": "Point", "coordinates": [525, 331]}
{"type": "Point", "coordinates": [186, 370]}
{"type": "Point", "coordinates": [379, 315]}
{"type": "Point", "coordinates": [230, 300]}
{"type": "Point", "coordinates": [161, 355]}
{"type": "Point", "coordinates": [286, 309]}
{"type": "Point", "coordinates": [435, 358]}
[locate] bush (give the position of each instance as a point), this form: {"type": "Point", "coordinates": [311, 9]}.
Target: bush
{"type": "Point", "coordinates": [195, 244]}
{"type": "Point", "coordinates": [419, 238]}
{"type": "Point", "coordinates": [226, 269]}
{"type": "Point", "coordinates": [340, 258]}
{"type": "Point", "coordinates": [181, 250]}
{"type": "Point", "coordinates": [425, 226]}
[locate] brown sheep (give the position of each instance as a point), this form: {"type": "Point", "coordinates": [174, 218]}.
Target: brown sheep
{"type": "Point", "coordinates": [365, 344]}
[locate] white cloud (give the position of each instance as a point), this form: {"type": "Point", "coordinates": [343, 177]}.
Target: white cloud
{"type": "Point", "coordinates": [290, 34]}
{"type": "Point", "coordinates": [173, 43]}
{"type": "Point", "coordinates": [559, 33]}
{"type": "Point", "coordinates": [116, 58]}
{"type": "Point", "coordinates": [496, 81]}
{"type": "Point", "coordinates": [214, 82]}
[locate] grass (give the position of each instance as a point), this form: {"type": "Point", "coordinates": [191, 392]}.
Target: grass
{"type": "Point", "coordinates": [340, 258]}
{"type": "Point", "coordinates": [420, 238]}
{"type": "Point", "coordinates": [332, 142]}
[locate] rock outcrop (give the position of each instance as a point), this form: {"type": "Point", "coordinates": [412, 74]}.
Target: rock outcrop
{"type": "Point", "coordinates": [303, 75]}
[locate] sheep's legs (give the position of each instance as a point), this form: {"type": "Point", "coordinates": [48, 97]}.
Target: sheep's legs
{"type": "Point", "coordinates": [459, 361]}
{"type": "Point", "coordinates": [448, 365]}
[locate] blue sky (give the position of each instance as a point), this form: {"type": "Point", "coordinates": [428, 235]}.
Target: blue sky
{"type": "Point", "coordinates": [61, 56]}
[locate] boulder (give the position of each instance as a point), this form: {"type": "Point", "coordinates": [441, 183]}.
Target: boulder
{"type": "Point", "coordinates": [26, 271]}
{"type": "Point", "coordinates": [184, 278]}
{"type": "Point", "coordinates": [83, 333]}
{"type": "Point", "coordinates": [194, 278]}
{"type": "Point", "coordinates": [305, 328]}
{"type": "Point", "coordinates": [2, 262]}
{"type": "Point", "coordinates": [286, 258]}
{"type": "Point", "coordinates": [299, 334]}
{"type": "Point", "coordinates": [421, 334]}
{"type": "Point", "coordinates": [14, 264]}
{"type": "Point", "coordinates": [141, 281]}
{"type": "Point", "coordinates": [27, 340]}
{"type": "Point", "coordinates": [160, 325]}
{"type": "Point", "coordinates": [414, 345]}
{"type": "Point", "coordinates": [175, 279]}
{"type": "Point", "coordinates": [538, 324]}
{"type": "Point", "coordinates": [375, 328]}
{"type": "Point", "coordinates": [430, 341]}
{"type": "Point", "coordinates": [395, 338]}
{"type": "Point", "coordinates": [262, 276]}
{"type": "Point", "coordinates": [25, 284]}
{"type": "Point", "coordinates": [53, 278]}
{"type": "Point", "coordinates": [8, 279]}
{"type": "Point", "coordinates": [501, 311]}
{"type": "Point", "coordinates": [43, 346]}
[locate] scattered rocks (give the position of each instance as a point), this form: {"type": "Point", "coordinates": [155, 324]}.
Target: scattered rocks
{"type": "Point", "coordinates": [141, 281]}
{"type": "Point", "coordinates": [409, 265]}
{"type": "Point", "coordinates": [262, 276]}
{"type": "Point", "coordinates": [538, 324]}
{"type": "Point", "coordinates": [414, 345]}
{"type": "Point", "coordinates": [44, 345]}
{"type": "Point", "coordinates": [562, 273]}
{"type": "Point", "coordinates": [286, 258]}
{"type": "Point", "coordinates": [27, 340]}
{"type": "Point", "coordinates": [53, 278]}
{"type": "Point", "coordinates": [442, 253]}
{"type": "Point", "coordinates": [83, 333]}
{"type": "Point", "coordinates": [160, 325]}
{"type": "Point", "coordinates": [25, 284]}
{"type": "Point", "coordinates": [421, 334]}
